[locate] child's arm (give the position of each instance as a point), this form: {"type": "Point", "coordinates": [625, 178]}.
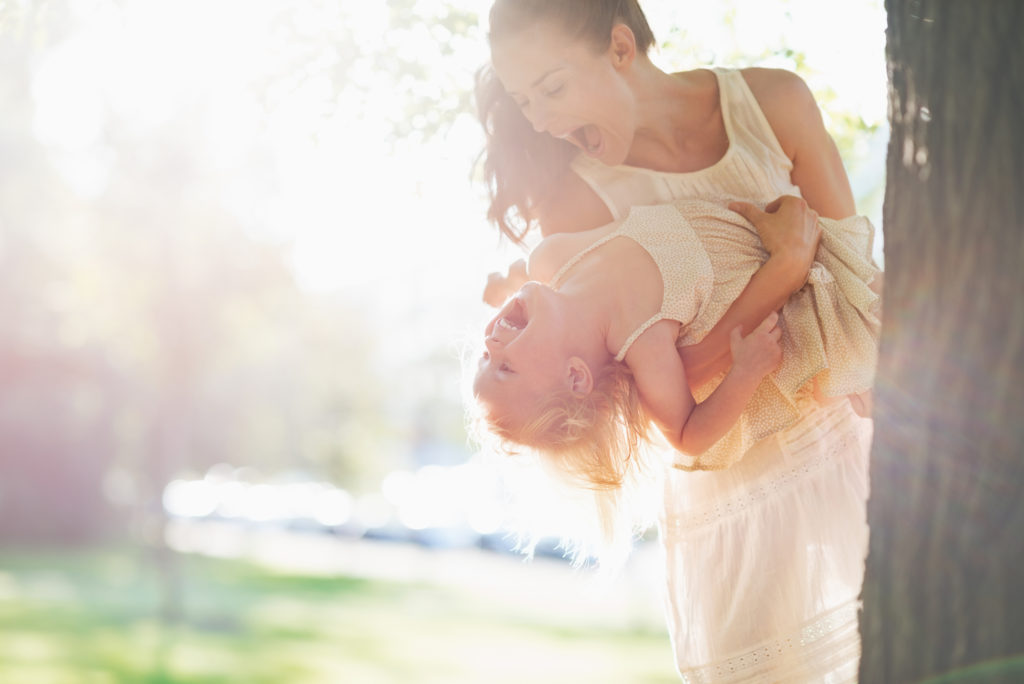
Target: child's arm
{"type": "Point", "coordinates": [661, 381]}
{"type": "Point", "coordinates": [789, 231]}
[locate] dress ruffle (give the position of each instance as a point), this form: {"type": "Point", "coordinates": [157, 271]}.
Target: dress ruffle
{"type": "Point", "coordinates": [829, 327]}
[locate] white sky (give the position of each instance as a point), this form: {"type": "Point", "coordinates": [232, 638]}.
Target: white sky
{"type": "Point", "coordinates": [400, 229]}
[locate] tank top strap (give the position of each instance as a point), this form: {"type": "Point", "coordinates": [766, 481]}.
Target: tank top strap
{"type": "Point", "coordinates": [557, 279]}
{"type": "Point", "coordinates": [637, 333]}
{"type": "Point", "coordinates": [745, 122]}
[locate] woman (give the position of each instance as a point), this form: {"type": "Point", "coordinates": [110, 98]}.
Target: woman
{"type": "Point", "coordinates": [765, 558]}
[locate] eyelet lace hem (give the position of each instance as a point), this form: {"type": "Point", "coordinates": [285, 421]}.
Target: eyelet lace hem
{"type": "Point", "coordinates": [826, 649]}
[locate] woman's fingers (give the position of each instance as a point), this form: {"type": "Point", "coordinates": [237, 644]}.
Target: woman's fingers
{"type": "Point", "coordinates": [747, 211]}
{"type": "Point", "coordinates": [787, 202]}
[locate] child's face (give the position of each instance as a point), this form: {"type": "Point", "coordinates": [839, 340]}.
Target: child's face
{"type": "Point", "coordinates": [568, 90]}
{"type": "Point", "coordinates": [526, 355]}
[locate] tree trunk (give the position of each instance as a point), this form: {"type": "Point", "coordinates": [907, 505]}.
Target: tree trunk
{"type": "Point", "coordinates": [944, 591]}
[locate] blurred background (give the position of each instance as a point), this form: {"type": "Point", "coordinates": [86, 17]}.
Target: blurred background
{"type": "Point", "coordinates": [242, 250]}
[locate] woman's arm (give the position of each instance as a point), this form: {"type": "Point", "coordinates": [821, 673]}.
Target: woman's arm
{"type": "Point", "coordinates": [572, 206]}
{"type": "Point", "coordinates": [818, 170]}
{"type": "Point", "coordinates": [789, 231]}
{"type": "Point", "coordinates": [795, 118]}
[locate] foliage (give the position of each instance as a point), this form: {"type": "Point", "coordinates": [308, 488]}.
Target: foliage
{"type": "Point", "coordinates": [147, 329]}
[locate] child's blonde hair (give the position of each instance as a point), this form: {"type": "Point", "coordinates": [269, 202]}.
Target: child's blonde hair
{"type": "Point", "coordinates": [592, 437]}
{"type": "Point", "coordinates": [593, 441]}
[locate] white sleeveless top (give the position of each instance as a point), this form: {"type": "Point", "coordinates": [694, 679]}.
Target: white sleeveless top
{"type": "Point", "coordinates": [754, 168]}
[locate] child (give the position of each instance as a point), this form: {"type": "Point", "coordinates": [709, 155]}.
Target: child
{"type": "Point", "coordinates": [578, 367]}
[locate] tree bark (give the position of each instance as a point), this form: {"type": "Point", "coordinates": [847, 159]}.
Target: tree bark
{"type": "Point", "coordinates": [944, 589]}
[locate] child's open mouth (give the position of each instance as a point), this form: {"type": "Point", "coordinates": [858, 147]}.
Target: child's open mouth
{"type": "Point", "coordinates": [511, 319]}
{"type": "Point", "coordinates": [514, 317]}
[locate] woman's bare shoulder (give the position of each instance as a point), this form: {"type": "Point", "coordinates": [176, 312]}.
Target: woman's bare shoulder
{"type": "Point", "coordinates": [794, 116]}
{"type": "Point", "coordinates": [771, 84]}
{"type": "Point", "coordinates": [786, 101]}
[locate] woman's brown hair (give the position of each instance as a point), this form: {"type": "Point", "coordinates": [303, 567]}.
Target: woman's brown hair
{"type": "Point", "coordinates": [520, 165]}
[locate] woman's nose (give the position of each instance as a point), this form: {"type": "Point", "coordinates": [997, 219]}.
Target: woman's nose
{"type": "Point", "coordinates": [491, 343]}
{"type": "Point", "coordinates": [539, 117]}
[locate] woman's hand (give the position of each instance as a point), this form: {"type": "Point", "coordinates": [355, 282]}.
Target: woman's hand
{"type": "Point", "coordinates": [789, 230]}
{"type": "Point", "coordinates": [500, 287]}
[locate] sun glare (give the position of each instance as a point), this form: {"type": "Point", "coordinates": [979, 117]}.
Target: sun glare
{"type": "Point", "coordinates": [361, 213]}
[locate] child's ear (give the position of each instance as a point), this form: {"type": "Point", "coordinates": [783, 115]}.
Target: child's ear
{"type": "Point", "coordinates": [580, 379]}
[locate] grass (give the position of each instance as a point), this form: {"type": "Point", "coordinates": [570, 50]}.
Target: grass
{"type": "Point", "coordinates": [120, 616]}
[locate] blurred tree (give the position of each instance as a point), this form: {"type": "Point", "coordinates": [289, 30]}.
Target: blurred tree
{"type": "Point", "coordinates": [943, 593]}
{"type": "Point", "coordinates": [143, 329]}
{"type": "Point", "coordinates": [54, 403]}
{"type": "Point", "coordinates": [409, 53]}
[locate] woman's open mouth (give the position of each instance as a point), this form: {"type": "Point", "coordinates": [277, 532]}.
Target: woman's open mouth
{"type": "Point", "coordinates": [588, 138]}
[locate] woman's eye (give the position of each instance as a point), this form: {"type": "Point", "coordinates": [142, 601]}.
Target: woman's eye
{"type": "Point", "coordinates": [504, 367]}
{"type": "Point", "coordinates": [555, 90]}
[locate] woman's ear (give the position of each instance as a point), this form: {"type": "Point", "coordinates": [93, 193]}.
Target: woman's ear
{"type": "Point", "coordinates": [623, 46]}
{"type": "Point", "coordinates": [580, 379]}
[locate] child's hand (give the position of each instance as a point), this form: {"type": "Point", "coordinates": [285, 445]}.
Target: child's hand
{"type": "Point", "coordinates": [500, 287]}
{"type": "Point", "coordinates": [759, 353]}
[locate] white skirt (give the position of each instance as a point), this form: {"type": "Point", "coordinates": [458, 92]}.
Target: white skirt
{"type": "Point", "coordinates": [765, 559]}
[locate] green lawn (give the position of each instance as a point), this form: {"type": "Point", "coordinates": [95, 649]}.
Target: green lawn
{"type": "Point", "coordinates": [79, 617]}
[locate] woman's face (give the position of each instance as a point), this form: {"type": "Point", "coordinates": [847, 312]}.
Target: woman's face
{"type": "Point", "coordinates": [526, 354]}
{"type": "Point", "coordinates": [567, 90]}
